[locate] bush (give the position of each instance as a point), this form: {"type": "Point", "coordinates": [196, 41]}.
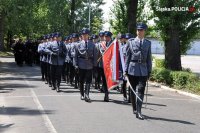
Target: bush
{"type": "Point", "coordinates": [160, 63]}
{"type": "Point", "coordinates": [161, 75]}
{"type": "Point", "coordinates": [181, 79]}
{"type": "Point", "coordinates": [177, 79]}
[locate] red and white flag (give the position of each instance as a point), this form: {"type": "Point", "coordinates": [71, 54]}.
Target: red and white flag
{"type": "Point", "coordinates": [111, 65]}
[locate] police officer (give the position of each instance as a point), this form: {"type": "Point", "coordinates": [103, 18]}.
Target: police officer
{"type": "Point", "coordinates": [123, 44]}
{"type": "Point", "coordinates": [29, 48]}
{"type": "Point", "coordinates": [103, 45]}
{"type": "Point", "coordinates": [64, 70]}
{"type": "Point", "coordinates": [100, 46]}
{"type": "Point", "coordinates": [19, 52]}
{"type": "Point", "coordinates": [85, 60]}
{"type": "Point", "coordinates": [57, 52]}
{"type": "Point", "coordinates": [41, 52]}
{"type": "Point", "coordinates": [68, 58]}
{"type": "Point", "coordinates": [36, 57]}
{"type": "Point", "coordinates": [49, 41]}
{"type": "Point", "coordinates": [138, 66]}
{"type": "Point", "coordinates": [71, 65]}
{"type": "Point", "coordinates": [96, 73]}
{"type": "Point", "coordinates": [75, 41]}
{"type": "Point", "coordinates": [122, 56]}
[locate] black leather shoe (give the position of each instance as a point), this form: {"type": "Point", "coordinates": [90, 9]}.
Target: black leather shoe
{"type": "Point", "coordinates": [134, 112]}
{"type": "Point", "coordinates": [82, 98]}
{"type": "Point", "coordinates": [53, 88]}
{"type": "Point", "coordinates": [139, 116]}
{"type": "Point", "coordinates": [106, 99]}
{"type": "Point", "coordinates": [75, 87]}
{"type": "Point", "coordinates": [87, 99]}
{"type": "Point", "coordinates": [125, 99]}
{"type": "Point", "coordinates": [58, 89]}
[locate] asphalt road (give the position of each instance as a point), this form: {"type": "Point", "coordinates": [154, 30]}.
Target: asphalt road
{"type": "Point", "coordinates": [27, 105]}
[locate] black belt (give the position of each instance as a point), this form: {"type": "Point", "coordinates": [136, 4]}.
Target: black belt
{"type": "Point", "coordinates": [138, 61]}
{"type": "Point", "coordinates": [84, 58]}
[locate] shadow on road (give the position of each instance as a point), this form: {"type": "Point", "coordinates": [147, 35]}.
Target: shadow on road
{"type": "Point", "coordinates": [22, 111]}
{"type": "Point", "coordinates": [8, 88]}
{"type": "Point", "coordinates": [168, 120]}
{"type": "Point", "coordinates": [3, 127]}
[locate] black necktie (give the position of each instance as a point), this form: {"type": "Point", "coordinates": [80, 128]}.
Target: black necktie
{"type": "Point", "coordinates": [140, 43]}
{"type": "Point", "coordinates": [86, 44]}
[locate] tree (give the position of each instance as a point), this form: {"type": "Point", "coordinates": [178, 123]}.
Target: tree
{"type": "Point", "coordinates": [177, 28]}
{"type": "Point", "coordinates": [33, 18]}
{"type": "Point", "coordinates": [126, 14]}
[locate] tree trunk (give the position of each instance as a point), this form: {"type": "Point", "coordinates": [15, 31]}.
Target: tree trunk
{"type": "Point", "coordinates": [132, 13]}
{"type": "Point", "coordinates": [73, 4]}
{"type": "Point", "coordinates": [9, 40]}
{"type": "Point", "coordinates": [172, 50]}
{"type": "Point", "coordinates": [1, 32]}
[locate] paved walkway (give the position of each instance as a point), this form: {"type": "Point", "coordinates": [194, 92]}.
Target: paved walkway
{"type": "Point", "coordinates": [189, 61]}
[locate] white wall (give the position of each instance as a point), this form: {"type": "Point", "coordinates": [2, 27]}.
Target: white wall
{"type": "Point", "coordinates": [157, 48]}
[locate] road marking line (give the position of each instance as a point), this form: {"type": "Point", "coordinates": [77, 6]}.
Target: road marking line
{"type": "Point", "coordinates": [45, 117]}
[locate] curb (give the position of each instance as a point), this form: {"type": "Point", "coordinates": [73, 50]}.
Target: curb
{"type": "Point", "coordinates": [174, 90]}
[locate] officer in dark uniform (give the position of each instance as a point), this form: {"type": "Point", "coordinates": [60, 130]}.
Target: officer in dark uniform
{"type": "Point", "coordinates": [49, 41]}
{"type": "Point", "coordinates": [41, 52]}
{"type": "Point", "coordinates": [123, 52]}
{"type": "Point", "coordinates": [123, 44]}
{"type": "Point", "coordinates": [75, 41]}
{"type": "Point", "coordinates": [29, 52]}
{"type": "Point", "coordinates": [36, 55]}
{"type": "Point", "coordinates": [138, 66]}
{"type": "Point", "coordinates": [65, 41]}
{"type": "Point", "coordinates": [99, 67]}
{"type": "Point", "coordinates": [57, 52]}
{"type": "Point", "coordinates": [85, 60]}
{"type": "Point", "coordinates": [67, 59]}
{"type": "Point", "coordinates": [19, 52]}
{"type": "Point", "coordinates": [103, 45]}
{"type": "Point", "coordinates": [96, 74]}
{"type": "Point", "coordinates": [71, 65]}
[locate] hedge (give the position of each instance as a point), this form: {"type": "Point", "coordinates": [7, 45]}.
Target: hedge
{"type": "Point", "coordinates": [177, 79]}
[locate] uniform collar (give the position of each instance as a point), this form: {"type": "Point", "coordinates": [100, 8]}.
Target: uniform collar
{"type": "Point", "coordinates": [138, 39]}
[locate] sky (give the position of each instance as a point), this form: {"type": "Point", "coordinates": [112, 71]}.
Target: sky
{"type": "Point", "coordinates": [106, 11]}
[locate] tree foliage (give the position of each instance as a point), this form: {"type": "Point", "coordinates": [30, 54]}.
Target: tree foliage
{"type": "Point", "coordinates": [186, 22]}
{"type": "Point", "coordinates": [33, 18]}
{"type": "Point", "coordinates": [177, 28]}
{"type": "Point", "coordinates": [123, 12]}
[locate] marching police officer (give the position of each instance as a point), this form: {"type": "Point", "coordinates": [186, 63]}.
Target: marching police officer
{"type": "Point", "coordinates": [71, 65]}
{"type": "Point", "coordinates": [75, 41]}
{"type": "Point", "coordinates": [57, 52]}
{"type": "Point", "coordinates": [68, 58]}
{"type": "Point", "coordinates": [123, 52]}
{"type": "Point", "coordinates": [19, 52]}
{"type": "Point", "coordinates": [138, 66]}
{"type": "Point", "coordinates": [65, 66]}
{"type": "Point", "coordinates": [41, 51]}
{"type": "Point", "coordinates": [29, 47]}
{"type": "Point", "coordinates": [85, 60]}
{"type": "Point", "coordinates": [123, 40]}
{"type": "Point", "coordinates": [96, 73]}
{"type": "Point", "coordinates": [103, 45]}
{"type": "Point", "coordinates": [49, 41]}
